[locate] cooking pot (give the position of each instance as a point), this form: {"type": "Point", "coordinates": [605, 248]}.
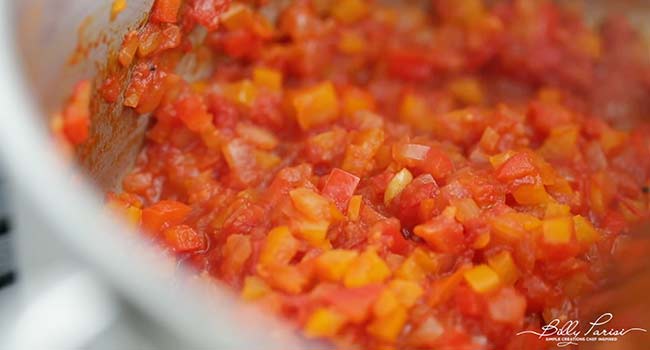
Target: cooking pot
{"type": "Point", "coordinates": [48, 45]}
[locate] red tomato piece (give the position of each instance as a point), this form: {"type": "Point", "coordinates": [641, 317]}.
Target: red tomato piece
{"type": "Point", "coordinates": [406, 205]}
{"type": "Point", "coordinates": [410, 64]}
{"type": "Point", "coordinates": [518, 166]}
{"type": "Point", "coordinates": [339, 187]}
{"type": "Point", "coordinates": [208, 12]}
{"type": "Point", "coordinates": [166, 10]}
{"type": "Point", "coordinates": [354, 303]}
{"type": "Point", "coordinates": [442, 233]}
{"type": "Point", "coordinates": [164, 214]}
{"type": "Point", "coordinates": [437, 163]}
{"type": "Point", "coordinates": [184, 239]}
{"type": "Point", "coordinates": [192, 111]}
{"type": "Point", "coordinates": [76, 116]}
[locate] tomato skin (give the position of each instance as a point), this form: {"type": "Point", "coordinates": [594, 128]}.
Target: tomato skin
{"type": "Point", "coordinates": [339, 187]}
{"type": "Point", "coordinates": [164, 214]}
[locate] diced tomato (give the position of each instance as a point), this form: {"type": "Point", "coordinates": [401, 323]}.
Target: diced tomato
{"type": "Point", "coordinates": [406, 204]}
{"type": "Point", "coordinates": [164, 214]}
{"type": "Point", "coordinates": [355, 303]}
{"type": "Point", "coordinates": [443, 233]}
{"type": "Point", "coordinates": [110, 90]}
{"type": "Point", "coordinates": [166, 10]}
{"type": "Point", "coordinates": [437, 163]}
{"type": "Point", "coordinates": [76, 116]}
{"type": "Point", "coordinates": [76, 129]}
{"type": "Point", "coordinates": [507, 306]}
{"type": "Point", "coordinates": [339, 187]}
{"type": "Point", "coordinates": [208, 12]}
{"type": "Point", "coordinates": [193, 112]}
{"type": "Point", "coordinates": [410, 64]}
{"type": "Point", "coordinates": [517, 166]}
{"type": "Point", "coordinates": [183, 238]}
{"type": "Point", "coordinates": [391, 231]}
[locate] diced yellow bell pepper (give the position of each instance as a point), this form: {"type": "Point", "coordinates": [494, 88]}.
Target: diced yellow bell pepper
{"type": "Point", "coordinates": [467, 90]}
{"type": "Point", "coordinates": [466, 209]}
{"type": "Point", "coordinates": [266, 160]}
{"type": "Point", "coordinates": [410, 270]}
{"type": "Point", "coordinates": [511, 226]}
{"type": "Point", "coordinates": [316, 105]}
{"type": "Point", "coordinates": [531, 194]}
{"type": "Point", "coordinates": [482, 240]}
{"type": "Point", "coordinates": [257, 136]}
{"type": "Point", "coordinates": [132, 214]}
{"type": "Point", "coordinates": [324, 322]}
{"type": "Point", "coordinates": [489, 139]}
{"type": "Point", "coordinates": [287, 278]}
{"type": "Point", "coordinates": [212, 138]}
{"type": "Point", "coordinates": [557, 230]}
{"type": "Point", "coordinates": [311, 204]}
{"type": "Point", "coordinates": [427, 260]}
{"type": "Point", "coordinates": [562, 143]}
{"type": "Point", "coordinates": [585, 231]}
{"type": "Point", "coordinates": [386, 303]}
{"type": "Point", "coordinates": [611, 140]}
{"type": "Point", "coordinates": [389, 327]}
{"type": "Point", "coordinates": [354, 207]}
{"type": "Point", "coordinates": [359, 155]}
{"type": "Point", "coordinates": [314, 232]}
{"type": "Point", "coordinates": [498, 159]}
{"type": "Point", "coordinates": [243, 92]}
{"type": "Point", "coordinates": [356, 100]}
{"type": "Point", "coordinates": [254, 288]}
{"type": "Point", "coordinates": [366, 269]}
{"type": "Point", "coordinates": [415, 111]}
{"type": "Point", "coordinates": [333, 264]}
{"type": "Point", "coordinates": [407, 292]}
{"type": "Point", "coordinates": [267, 78]}
{"type": "Point", "coordinates": [397, 185]}
{"type": "Point", "coordinates": [482, 279]}
{"type": "Point", "coordinates": [503, 264]}
{"type": "Point", "coordinates": [554, 210]}
{"type": "Point", "coordinates": [238, 16]}
{"type": "Point", "coordinates": [280, 247]}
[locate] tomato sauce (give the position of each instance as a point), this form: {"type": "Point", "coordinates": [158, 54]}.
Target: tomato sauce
{"type": "Point", "coordinates": [388, 177]}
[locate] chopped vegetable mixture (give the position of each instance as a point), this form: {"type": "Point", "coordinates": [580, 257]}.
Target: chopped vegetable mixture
{"type": "Point", "coordinates": [387, 176]}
